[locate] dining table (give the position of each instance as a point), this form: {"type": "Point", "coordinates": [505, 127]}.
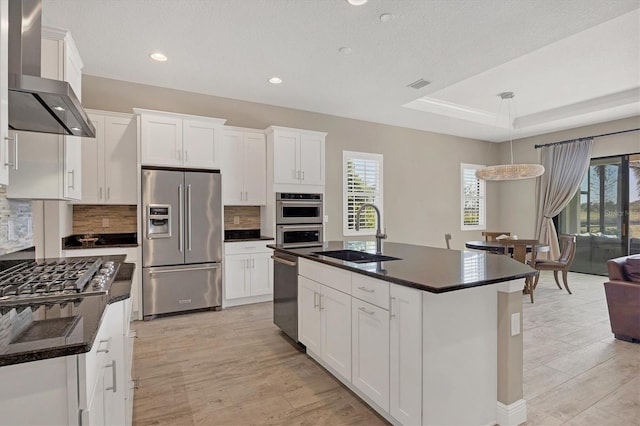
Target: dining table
{"type": "Point", "coordinates": [497, 247]}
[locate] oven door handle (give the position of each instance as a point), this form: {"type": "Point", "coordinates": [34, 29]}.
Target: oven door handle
{"type": "Point", "coordinates": [301, 203]}
{"type": "Point", "coordinates": [286, 262]}
{"type": "Point", "coordinates": [309, 227]}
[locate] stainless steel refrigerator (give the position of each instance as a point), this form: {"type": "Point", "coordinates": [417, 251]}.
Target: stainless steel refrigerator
{"type": "Point", "coordinates": [182, 241]}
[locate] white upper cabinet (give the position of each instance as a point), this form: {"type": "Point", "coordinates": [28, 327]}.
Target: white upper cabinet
{"type": "Point", "coordinates": [245, 168]}
{"type": "Point", "coordinates": [298, 158]}
{"type": "Point", "coordinates": [109, 161]}
{"type": "Point", "coordinates": [46, 166]}
{"type": "Point", "coordinates": [4, 95]}
{"type": "Point", "coordinates": [180, 140]}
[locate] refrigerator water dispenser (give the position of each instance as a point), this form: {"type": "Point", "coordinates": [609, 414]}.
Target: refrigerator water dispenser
{"type": "Point", "coordinates": [158, 221]}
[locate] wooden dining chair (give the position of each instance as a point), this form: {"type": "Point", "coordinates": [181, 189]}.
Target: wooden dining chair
{"type": "Point", "coordinates": [567, 253]}
{"type": "Point", "coordinates": [491, 236]}
{"type": "Point", "coordinates": [518, 249]}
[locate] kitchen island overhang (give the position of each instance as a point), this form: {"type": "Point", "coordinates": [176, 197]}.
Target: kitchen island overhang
{"type": "Point", "coordinates": [469, 356]}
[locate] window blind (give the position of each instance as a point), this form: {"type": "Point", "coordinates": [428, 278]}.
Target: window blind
{"type": "Point", "coordinates": [473, 198]}
{"type": "Point", "coordinates": [362, 184]}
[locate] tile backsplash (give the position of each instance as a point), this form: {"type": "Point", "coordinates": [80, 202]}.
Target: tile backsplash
{"type": "Point", "coordinates": [241, 217]}
{"type": "Point", "coordinates": [92, 219]}
{"type": "Point", "coordinates": [15, 224]}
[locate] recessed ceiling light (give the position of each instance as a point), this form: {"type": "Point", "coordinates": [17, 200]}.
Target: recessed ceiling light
{"type": "Point", "coordinates": [58, 108]}
{"type": "Point", "coordinates": [386, 17]}
{"type": "Point", "coordinates": [275, 80]}
{"type": "Point", "coordinates": [345, 50]}
{"type": "Point", "coordinates": [157, 56]}
{"type": "Point", "coordinates": [357, 2]}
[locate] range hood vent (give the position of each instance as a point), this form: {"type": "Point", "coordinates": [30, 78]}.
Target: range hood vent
{"type": "Point", "coordinates": [38, 104]}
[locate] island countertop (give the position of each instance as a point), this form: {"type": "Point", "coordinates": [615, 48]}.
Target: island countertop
{"type": "Point", "coordinates": [431, 269]}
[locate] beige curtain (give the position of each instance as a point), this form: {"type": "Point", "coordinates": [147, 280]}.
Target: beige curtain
{"type": "Point", "coordinates": [565, 165]}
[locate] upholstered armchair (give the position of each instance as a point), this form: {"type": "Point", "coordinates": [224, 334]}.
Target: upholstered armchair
{"type": "Point", "coordinates": [623, 297]}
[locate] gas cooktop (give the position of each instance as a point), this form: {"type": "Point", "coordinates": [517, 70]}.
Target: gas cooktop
{"type": "Point", "coordinates": [55, 280]}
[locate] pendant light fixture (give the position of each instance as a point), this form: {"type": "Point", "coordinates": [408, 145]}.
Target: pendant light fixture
{"type": "Point", "coordinates": [510, 171]}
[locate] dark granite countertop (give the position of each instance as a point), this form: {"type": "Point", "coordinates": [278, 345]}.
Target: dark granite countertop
{"type": "Point", "coordinates": [430, 269]}
{"type": "Point", "coordinates": [72, 242]}
{"type": "Point", "coordinates": [31, 334]}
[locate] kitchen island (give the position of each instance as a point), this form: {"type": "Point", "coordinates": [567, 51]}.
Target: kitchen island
{"type": "Point", "coordinates": [431, 337]}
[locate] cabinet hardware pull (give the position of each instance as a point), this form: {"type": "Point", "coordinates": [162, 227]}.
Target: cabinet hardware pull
{"type": "Point", "coordinates": [320, 304]}
{"type": "Point", "coordinates": [100, 193]}
{"type": "Point", "coordinates": [186, 156]}
{"type": "Point", "coordinates": [391, 314]}
{"type": "Point", "coordinates": [241, 196]}
{"type": "Point", "coordinates": [246, 195]}
{"type": "Point", "coordinates": [15, 151]}
{"type": "Point", "coordinates": [72, 185]}
{"type": "Point", "coordinates": [365, 311]}
{"type": "Point", "coordinates": [180, 219]}
{"type": "Point", "coordinates": [315, 300]}
{"type": "Point", "coordinates": [113, 388]}
{"type": "Point", "coordinates": [108, 193]}
{"type": "Point", "coordinates": [178, 155]}
{"type": "Point", "coordinates": [363, 288]}
{"type": "Point", "coordinates": [303, 175]}
{"type": "Point", "coordinates": [105, 350]}
{"type": "Point", "coordinates": [286, 262]}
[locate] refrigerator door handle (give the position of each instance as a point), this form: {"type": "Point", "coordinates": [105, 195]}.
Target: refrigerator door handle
{"type": "Point", "coordinates": [189, 232]}
{"type": "Point", "coordinates": [180, 219]}
{"type": "Point", "coordinates": [169, 271]}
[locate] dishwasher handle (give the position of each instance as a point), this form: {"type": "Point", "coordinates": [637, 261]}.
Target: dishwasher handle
{"type": "Point", "coordinates": [284, 261]}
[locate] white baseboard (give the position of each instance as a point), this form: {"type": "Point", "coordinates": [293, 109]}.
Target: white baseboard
{"type": "Point", "coordinates": [512, 414]}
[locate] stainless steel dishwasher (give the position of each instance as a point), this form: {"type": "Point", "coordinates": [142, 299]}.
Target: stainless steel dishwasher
{"type": "Point", "coordinates": [285, 293]}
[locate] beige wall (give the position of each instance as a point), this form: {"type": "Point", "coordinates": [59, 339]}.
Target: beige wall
{"type": "Point", "coordinates": [421, 169]}
{"type": "Point", "coordinates": [517, 198]}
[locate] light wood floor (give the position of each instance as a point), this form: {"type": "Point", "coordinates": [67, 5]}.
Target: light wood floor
{"type": "Point", "coordinates": [234, 368]}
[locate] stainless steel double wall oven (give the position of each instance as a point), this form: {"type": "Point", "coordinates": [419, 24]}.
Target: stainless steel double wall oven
{"type": "Point", "coordinates": [299, 219]}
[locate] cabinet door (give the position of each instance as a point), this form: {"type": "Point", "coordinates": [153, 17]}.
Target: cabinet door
{"type": "Point", "coordinates": [236, 278]}
{"type": "Point", "coordinates": [232, 179]}
{"type": "Point", "coordinates": [261, 273]}
{"type": "Point", "coordinates": [201, 147]}
{"type": "Point", "coordinates": [4, 95]}
{"type": "Point", "coordinates": [73, 167]}
{"type": "Point", "coordinates": [255, 169]}
{"type": "Point", "coordinates": [96, 407]}
{"type": "Point", "coordinates": [405, 402]}
{"type": "Point", "coordinates": [286, 157]}
{"type": "Point", "coordinates": [93, 164]}
{"type": "Point", "coordinates": [120, 160]}
{"type": "Point", "coordinates": [309, 314]}
{"type": "Point", "coordinates": [335, 308]}
{"type": "Point", "coordinates": [311, 159]}
{"type": "Point", "coordinates": [370, 346]}
{"type": "Point", "coordinates": [161, 143]}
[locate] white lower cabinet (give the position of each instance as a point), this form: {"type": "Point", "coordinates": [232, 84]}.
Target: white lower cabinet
{"type": "Point", "coordinates": [405, 355]}
{"type": "Point", "coordinates": [248, 276]}
{"type": "Point", "coordinates": [372, 337]}
{"type": "Point", "coordinates": [90, 389]}
{"type": "Point", "coordinates": [370, 351]}
{"type": "Point", "coordinates": [323, 314]}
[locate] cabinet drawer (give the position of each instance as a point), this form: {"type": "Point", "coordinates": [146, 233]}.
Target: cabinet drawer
{"type": "Point", "coordinates": [328, 275]}
{"type": "Point", "coordinates": [247, 247]}
{"type": "Point", "coordinates": [370, 290]}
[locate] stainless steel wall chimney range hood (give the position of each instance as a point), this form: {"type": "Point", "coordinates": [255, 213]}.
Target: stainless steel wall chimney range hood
{"type": "Point", "coordinates": [38, 104]}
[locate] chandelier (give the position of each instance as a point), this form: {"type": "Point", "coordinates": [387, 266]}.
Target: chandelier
{"type": "Point", "coordinates": [510, 171]}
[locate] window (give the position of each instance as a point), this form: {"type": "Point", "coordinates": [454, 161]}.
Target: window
{"type": "Point", "coordinates": [362, 183]}
{"type": "Point", "coordinates": [473, 205]}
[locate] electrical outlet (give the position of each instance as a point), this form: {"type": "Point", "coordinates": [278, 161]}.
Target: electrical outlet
{"type": "Point", "coordinates": [236, 220]}
{"type": "Point", "coordinates": [105, 222]}
{"type": "Point", "coordinates": [515, 324]}
{"type": "Point", "coordinates": [326, 218]}
{"type": "Point", "coordinates": [11, 230]}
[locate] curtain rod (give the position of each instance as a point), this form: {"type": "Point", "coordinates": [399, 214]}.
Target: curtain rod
{"type": "Point", "coordinates": [586, 137]}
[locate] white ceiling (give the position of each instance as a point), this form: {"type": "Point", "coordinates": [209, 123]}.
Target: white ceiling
{"type": "Point", "coordinates": [570, 63]}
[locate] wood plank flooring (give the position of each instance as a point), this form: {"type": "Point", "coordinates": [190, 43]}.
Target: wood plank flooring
{"type": "Point", "coordinates": [235, 368]}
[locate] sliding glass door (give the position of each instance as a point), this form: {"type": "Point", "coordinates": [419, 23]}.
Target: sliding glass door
{"type": "Point", "coordinates": [605, 213]}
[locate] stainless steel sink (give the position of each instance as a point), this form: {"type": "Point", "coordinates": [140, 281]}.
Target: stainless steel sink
{"type": "Point", "coordinates": [356, 256]}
